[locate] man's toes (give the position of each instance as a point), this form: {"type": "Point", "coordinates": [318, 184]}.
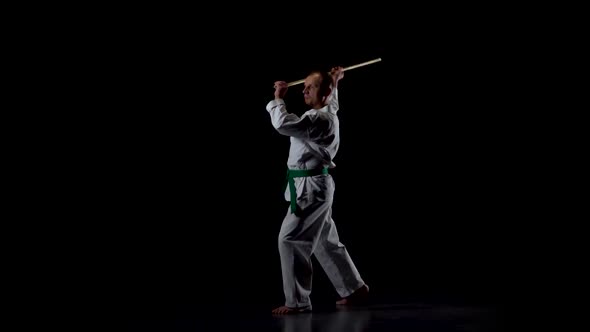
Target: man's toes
{"type": "Point", "coordinates": [281, 310]}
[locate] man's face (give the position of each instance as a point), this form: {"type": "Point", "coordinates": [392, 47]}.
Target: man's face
{"type": "Point", "coordinates": [311, 91]}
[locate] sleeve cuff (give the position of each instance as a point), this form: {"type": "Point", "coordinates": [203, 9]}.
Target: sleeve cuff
{"type": "Point", "coordinates": [274, 103]}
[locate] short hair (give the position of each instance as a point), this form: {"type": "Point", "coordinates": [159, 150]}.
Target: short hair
{"type": "Point", "coordinates": [326, 82]}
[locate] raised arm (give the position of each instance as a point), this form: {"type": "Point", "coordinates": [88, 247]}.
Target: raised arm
{"type": "Point", "coordinates": [289, 124]}
{"type": "Point", "coordinates": [337, 73]}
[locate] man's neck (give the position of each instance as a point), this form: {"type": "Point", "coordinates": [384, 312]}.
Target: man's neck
{"type": "Point", "coordinates": [319, 105]}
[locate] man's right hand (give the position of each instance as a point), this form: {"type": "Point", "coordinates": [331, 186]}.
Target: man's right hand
{"type": "Point", "coordinates": [337, 74]}
{"type": "Point", "coordinates": [280, 89]}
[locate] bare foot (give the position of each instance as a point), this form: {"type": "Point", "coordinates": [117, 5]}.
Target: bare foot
{"type": "Point", "coordinates": [284, 310]}
{"type": "Point", "coordinates": [359, 296]}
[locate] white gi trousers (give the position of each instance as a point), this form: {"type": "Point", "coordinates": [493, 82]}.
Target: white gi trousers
{"type": "Point", "coordinates": [312, 231]}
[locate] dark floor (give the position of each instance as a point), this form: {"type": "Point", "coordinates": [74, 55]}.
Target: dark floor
{"type": "Point", "coordinates": [374, 317]}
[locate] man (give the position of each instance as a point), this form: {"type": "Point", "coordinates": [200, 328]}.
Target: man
{"type": "Point", "coordinates": [308, 227]}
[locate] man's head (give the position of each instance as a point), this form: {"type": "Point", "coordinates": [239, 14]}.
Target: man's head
{"type": "Point", "coordinates": [317, 87]}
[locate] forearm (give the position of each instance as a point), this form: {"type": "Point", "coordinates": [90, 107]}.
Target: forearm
{"type": "Point", "coordinates": [333, 99]}
{"type": "Point", "coordinates": [286, 123]}
{"type": "Point", "coordinates": [279, 115]}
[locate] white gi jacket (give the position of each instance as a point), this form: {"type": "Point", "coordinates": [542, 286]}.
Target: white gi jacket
{"type": "Point", "coordinates": [315, 136]}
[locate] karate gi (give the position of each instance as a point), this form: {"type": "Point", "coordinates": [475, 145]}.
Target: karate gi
{"type": "Point", "coordinates": [315, 138]}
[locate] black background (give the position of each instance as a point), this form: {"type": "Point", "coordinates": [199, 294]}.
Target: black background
{"type": "Point", "coordinates": [182, 173]}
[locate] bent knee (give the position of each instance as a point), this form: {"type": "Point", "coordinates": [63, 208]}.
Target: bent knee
{"type": "Point", "coordinates": [284, 240]}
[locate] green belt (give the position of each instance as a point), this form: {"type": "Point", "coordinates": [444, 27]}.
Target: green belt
{"type": "Point", "coordinates": [297, 173]}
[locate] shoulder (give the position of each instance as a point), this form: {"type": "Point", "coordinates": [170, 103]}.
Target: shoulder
{"type": "Point", "coordinates": [318, 118]}
{"type": "Point", "coordinates": [321, 115]}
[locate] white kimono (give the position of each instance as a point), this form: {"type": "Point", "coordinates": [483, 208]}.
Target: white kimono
{"type": "Point", "coordinates": [315, 138]}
